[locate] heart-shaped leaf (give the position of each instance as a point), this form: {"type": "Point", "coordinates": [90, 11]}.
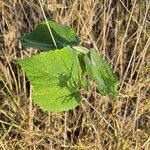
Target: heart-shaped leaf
{"type": "Point", "coordinates": [41, 37]}
{"type": "Point", "coordinates": [55, 77]}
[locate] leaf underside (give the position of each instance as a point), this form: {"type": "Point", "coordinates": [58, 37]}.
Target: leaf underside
{"type": "Point", "coordinates": [55, 77]}
{"type": "Point", "coordinates": [41, 38]}
{"type": "Point", "coordinates": [99, 70]}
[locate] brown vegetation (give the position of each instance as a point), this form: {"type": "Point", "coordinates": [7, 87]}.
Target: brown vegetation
{"type": "Point", "coordinates": [120, 31]}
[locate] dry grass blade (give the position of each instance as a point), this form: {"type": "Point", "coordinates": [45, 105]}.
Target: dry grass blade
{"type": "Point", "coordinates": [120, 32]}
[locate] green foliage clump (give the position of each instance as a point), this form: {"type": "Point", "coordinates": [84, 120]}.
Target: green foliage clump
{"type": "Point", "coordinates": [57, 74]}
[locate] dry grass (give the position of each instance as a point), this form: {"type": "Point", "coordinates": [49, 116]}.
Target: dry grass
{"type": "Point", "coordinates": [120, 31]}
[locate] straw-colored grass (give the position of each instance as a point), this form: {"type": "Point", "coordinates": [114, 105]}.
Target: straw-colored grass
{"type": "Point", "coordinates": [120, 31]}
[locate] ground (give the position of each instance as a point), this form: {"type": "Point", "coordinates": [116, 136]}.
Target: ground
{"type": "Point", "coordinates": [120, 31]}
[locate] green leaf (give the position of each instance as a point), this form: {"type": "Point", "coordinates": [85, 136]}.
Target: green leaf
{"type": "Point", "coordinates": [81, 51]}
{"type": "Point", "coordinates": [85, 83]}
{"type": "Point", "coordinates": [41, 38]}
{"type": "Point", "coordinates": [99, 70]}
{"type": "Point", "coordinates": [55, 77]}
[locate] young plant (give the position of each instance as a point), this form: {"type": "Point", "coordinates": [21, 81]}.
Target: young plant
{"type": "Point", "coordinates": [57, 73]}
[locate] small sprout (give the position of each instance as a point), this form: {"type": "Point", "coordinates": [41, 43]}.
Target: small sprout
{"type": "Point", "coordinates": [57, 74]}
